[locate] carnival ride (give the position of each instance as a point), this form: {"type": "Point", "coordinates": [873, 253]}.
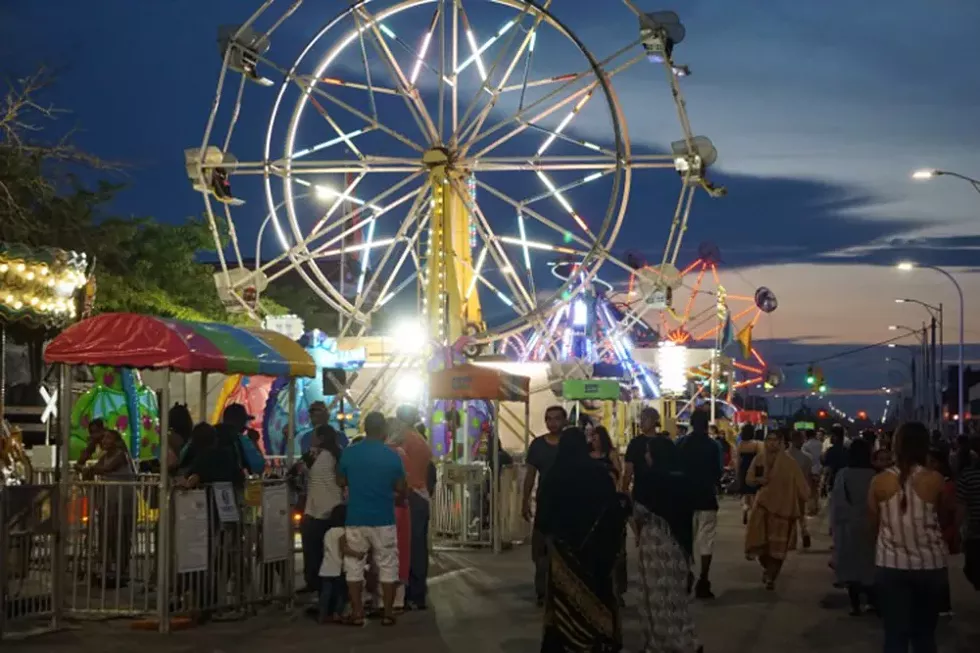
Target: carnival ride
{"type": "Point", "coordinates": [119, 398]}
{"type": "Point", "coordinates": [39, 294]}
{"type": "Point", "coordinates": [410, 132]}
{"type": "Point", "coordinates": [700, 314]}
{"type": "Point", "coordinates": [267, 398]}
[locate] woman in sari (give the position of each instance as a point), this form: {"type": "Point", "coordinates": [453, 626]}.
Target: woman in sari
{"type": "Point", "coordinates": [775, 516]}
{"type": "Point", "coordinates": [582, 516]}
{"type": "Point", "coordinates": [664, 523]}
{"type": "Point", "coordinates": [605, 453]}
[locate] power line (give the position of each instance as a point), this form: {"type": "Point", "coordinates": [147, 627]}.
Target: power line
{"type": "Point", "coordinates": [849, 352]}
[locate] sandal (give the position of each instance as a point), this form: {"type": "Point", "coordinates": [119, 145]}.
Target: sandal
{"type": "Point", "coordinates": [351, 620]}
{"type": "Point", "coordinates": [387, 621]}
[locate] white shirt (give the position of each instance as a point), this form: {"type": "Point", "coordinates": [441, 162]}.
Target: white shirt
{"type": "Point", "coordinates": [814, 449]}
{"type": "Point", "coordinates": [910, 539]}
{"type": "Point", "coordinates": [322, 492]}
{"type": "Point", "coordinates": [333, 561]}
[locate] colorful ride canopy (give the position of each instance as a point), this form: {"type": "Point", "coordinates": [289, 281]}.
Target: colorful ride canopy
{"type": "Point", "coordinates": [148, 342]}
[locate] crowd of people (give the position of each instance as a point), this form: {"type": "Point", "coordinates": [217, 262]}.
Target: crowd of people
{"type": "Point", "coordinates": [897, 505]}
{"type": "Point", "coordinates": [366, 519]}
{"type": "Point", "coordinates": [365, 506]}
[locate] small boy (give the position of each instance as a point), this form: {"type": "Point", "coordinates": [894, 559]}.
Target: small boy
{"type": "Point", "coordinates": [333, 581]}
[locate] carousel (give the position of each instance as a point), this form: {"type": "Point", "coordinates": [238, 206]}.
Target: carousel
{"type": "Point", "coordinates": [40, 292]}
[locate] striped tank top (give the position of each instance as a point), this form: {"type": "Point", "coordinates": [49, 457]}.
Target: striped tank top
{"type": "Point", "coordinates": [910, 539]}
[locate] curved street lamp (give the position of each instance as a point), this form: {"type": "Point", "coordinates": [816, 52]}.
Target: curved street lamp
{"type": "Point", "coordinates": [908, 266]}
{"type": "Point", "coordinates": [929, 173]}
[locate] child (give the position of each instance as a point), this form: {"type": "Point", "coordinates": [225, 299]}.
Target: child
{"type": "Point", "coordinates": [333, 582]}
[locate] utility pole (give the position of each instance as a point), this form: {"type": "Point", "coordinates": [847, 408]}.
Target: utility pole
{"type": "Point", "coordinates": [936, 372]}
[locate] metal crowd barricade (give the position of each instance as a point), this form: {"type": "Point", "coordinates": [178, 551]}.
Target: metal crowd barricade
{"type": "Point", "coordinates": [112, 547]}
{"type": "Point", "coordinates": [461, 509]}
{"type": "Point", "coordinates": [28, 563]}
{"type": "Point", "coordinates": [233, 550]}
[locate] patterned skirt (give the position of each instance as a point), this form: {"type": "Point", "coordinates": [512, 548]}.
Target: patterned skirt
{"type": "Point", "coordinates": [581, 612]}
{"type": "Point", "coordinates": [664, 567]}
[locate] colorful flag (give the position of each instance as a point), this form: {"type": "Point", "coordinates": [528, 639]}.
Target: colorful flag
{"type": "Point", "coordinates": [727, 331]}
{"type": "Point", "coordinates": [744, 336]}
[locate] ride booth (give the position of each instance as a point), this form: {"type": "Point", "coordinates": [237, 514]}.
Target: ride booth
{"type": "Point", "coordinates": [604, 401]}
{"type": "Point", "coordinates": [470, 509]}
{"type": "Point", "coordinates": [206, 549]}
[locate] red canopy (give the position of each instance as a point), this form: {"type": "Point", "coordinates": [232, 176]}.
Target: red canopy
{"type": "Point", "coordinates": [148, 342]}
{"type": "Point", "coordinates": [756, 417]}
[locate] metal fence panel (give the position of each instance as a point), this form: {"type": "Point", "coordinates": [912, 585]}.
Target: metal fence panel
{"type": "Point", "coordinates": [28, 529]}
{"type": "Point", "coordinates": [461, 508]}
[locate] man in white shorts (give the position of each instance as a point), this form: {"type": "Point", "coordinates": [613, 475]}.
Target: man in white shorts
{"type": "Point", "coordinates": [375, 478]}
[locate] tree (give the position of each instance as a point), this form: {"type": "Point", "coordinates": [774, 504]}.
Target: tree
{"type": "Point", "coordinates": [141, 265]}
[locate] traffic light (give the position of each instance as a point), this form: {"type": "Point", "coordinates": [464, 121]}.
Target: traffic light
{"type": "Point", "coordinates": [810, 378]}
{"type": "Point", "coordinates": [862, 415]}
{"type": "Point", "coordinates": [822, 414]}
{"type": "Point", "coordinates": [822, 388]}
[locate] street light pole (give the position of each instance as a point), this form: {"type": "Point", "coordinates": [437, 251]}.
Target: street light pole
{"type": "Point", "coordinates": [960, 390]}
{"type": "Point", "coordinates": [929, 173]}
{"type": "Point", "coordinates": [937, 356]}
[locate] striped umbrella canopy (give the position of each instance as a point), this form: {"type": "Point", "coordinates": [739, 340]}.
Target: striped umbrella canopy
{"type": "Point", "coordinates": [148, 342]}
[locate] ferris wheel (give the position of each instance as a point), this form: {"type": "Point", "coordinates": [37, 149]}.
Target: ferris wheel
{"type": "Point", "coordinates": [424, 157]}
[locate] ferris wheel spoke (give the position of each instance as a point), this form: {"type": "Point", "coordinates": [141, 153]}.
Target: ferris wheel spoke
{"type": "Point", "coordinates": [413, 101]}
{"type": "Point", "coordinates": [367, 68]}
{"type": "Point", "coordinates": [338, 199]}
{"type": "Point", "coordinates": [465, 127]}
{"type": "Point", "coordinates": [343, 137]}
{"type": "Point", "coordinates": [563, 232]}
{"type": "Point", "coordinates": [364, 291]}
{"type": "Point", "coordinates": [524, 125]}
{"type": "Point", "coordinates": [369, 165]}
{"type": "Point", "coordinates": [301, 252]}
{"type": "Point", "coordinates": [485, 231]}
{"type": "Point", "coordinates": [386, 294]}
{"type": "Point", "coordinates": [590, 87]}
{"type": "Point", "coordinates": [352, 215]}
{"type": "Point", "coordinates": [310, 86]}
{"type": "Point", "coordinates": [599, 164]}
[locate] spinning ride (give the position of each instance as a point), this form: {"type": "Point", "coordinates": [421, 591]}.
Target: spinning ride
{"type": "Point", "coordinates": [699, 312]}
{"type": "Point", "coordinates": [416, 159]}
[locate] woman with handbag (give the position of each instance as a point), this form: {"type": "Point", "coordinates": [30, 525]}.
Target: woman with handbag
{"type": "Point", "coordinates": [582, 516]}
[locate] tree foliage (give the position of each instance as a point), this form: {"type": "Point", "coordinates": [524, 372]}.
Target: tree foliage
{"type": "Point", "coordinates": [141, 265]}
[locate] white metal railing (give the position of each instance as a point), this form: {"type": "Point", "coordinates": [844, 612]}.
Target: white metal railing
{"type": "Point", "coordinates": [462, 510]}
{"type": "Point", "coordinates": [28, 536]}
{"type": "Point", "coordinates": [97, 554]}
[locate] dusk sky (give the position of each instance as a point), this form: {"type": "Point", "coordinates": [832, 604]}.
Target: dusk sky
{"type": "Point", "coordinates": [819, 111]}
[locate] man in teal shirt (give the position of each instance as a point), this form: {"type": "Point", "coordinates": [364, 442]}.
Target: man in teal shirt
{"type": "Point", "coordinates": [375, 478]}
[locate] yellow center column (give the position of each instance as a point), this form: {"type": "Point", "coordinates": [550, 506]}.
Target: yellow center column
{"type": "Point", "coordinates": [449, 266]}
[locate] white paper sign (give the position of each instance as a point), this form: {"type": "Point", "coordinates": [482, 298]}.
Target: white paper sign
{"type": "Point", "coordinates": [224, 501]}
{"type": "Point", "coordinates": [276, 534]}
{"type": "Point", "coordinates": [191, 530]}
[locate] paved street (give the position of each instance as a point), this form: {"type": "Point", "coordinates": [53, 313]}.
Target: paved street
{"type": "Point", "coordinates": [484, 603]}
